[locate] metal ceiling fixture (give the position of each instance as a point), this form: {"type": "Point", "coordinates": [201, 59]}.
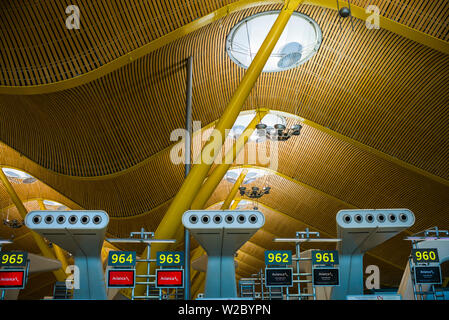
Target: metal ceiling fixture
{"type": "Point", "coordinates": [344, 12]}
{"type": "Point", "coordinates": [299, 41]}
{"type": "Point", "coordinates": [255, 192]}
{"type": "Point", "coordinates": [14, 224]}
{"type": "Point", "coordinates": [279, 132]}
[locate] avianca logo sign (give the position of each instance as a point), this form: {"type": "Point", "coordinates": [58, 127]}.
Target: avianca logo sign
{"type": "Point", "coordinates": [175, 278]}
{"type": "Point", "coordinates": [172, 278]}
{"type": "Point", "coordinates": [11, 279]}
{"type": "Point", "coordinates": [121, 278]}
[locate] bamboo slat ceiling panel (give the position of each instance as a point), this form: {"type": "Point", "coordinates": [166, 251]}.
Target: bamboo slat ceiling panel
{"type": "Point", "coordinates": [36, 46]}
{"type": "Point", "coordinates": [35, 190]}
{"type": "Point", "coordinates": [371, 85]}
{"type": "Point", "coordinates": [430, 17]}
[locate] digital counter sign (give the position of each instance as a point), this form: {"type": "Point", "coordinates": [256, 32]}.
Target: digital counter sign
{"type": "Point", "coordinates": [428, 275]}
{"type": "Point", "coordinates": [13, 259]}
{"type": "Point", "coordinates": [321, 257]}
{"type": "Point", "coordinates": [122, 258]}
{"type": "Point", "coordinates": [278, 277]}
{"type": "Point", "coordinates": [278, 257]}
{"type": "Point", "coordinates": [425, 255]}
{"type": "Point", "coordinates": [125, 278]}
{"type": "Point", "coordinates": [170, 258]}
{"type": "Point", "coordinates": [169, 278]}
{"type": "Point", "coordinates": [12, 279]}
{"type": "Point", "coordinates": [326, 277]}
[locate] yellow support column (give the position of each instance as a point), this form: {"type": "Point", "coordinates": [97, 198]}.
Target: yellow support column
{"type": "Point", "coordinates": [196, 285]}
{"type": "Point", "coordinates": [201, 288]}
{"type": "Point", "coordinates": [46, 252]}
{"type": "Point", "coordinates": [184, 198]}
{"type": "Point", "coordinates": [235, 204]}
{"type": "Point", "coordinates": [60, 255]}
{"type": "Point", "coordinates": [195, 254]}
{"type": "Point", "coordinates": [215, 177]}
{"type": "Point", "coordinates": [234, 190]}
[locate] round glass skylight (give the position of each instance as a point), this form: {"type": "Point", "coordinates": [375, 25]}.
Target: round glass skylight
{"type": "Point", "coordinates": [251, 176]}
{"type": "Point", "coordinates": [242, 122]}
{"type": "Point", "coordinates": [18, 176]}
{"type": "Point", "coordinates": [299, 41]}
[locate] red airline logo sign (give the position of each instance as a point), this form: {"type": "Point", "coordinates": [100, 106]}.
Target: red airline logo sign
{"type": "Point", "coordinates": [12, 279]}
{"type": "Point", "coordinates": [121, 278]}
{"type": "Point", "coordinates": [169, 278]}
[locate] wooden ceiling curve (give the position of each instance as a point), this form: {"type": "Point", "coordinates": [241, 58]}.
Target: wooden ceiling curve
{"type": "Point", "coordinates": [119, 112]}
{"type": "Point", "coordinates": [111, 32]}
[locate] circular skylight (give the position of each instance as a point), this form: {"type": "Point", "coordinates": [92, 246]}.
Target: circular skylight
{"type": "Point", "coordinates": [243, 120]}
{"type": "Point", "coordinates": [18, 176]}
{"type": "Point", "coordinates": [299, 41]}
{"type": "Point", "coordinates": [251, 176]}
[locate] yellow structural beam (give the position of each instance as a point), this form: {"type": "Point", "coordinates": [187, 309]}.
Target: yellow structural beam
{"type": "Point", "coordinates": [228, 159]}
{"type": "Point", "coordinates": [197, 281]}
{"type": "Point", "coordinates": [357, 12]}
{"type": "Point", "coordinates": [184, 198]}
{"type": "Point", "coordinates": [220, 170]}
{"type": "Point", "coordinates": [234, 190]}
{"type": "Point", "coordinates": [197, 286]}
{"type": "Point", "coordinates": [46, 252]}
{"type": "Point", "coordinates": [195, 254]}
{"type": "Point", "coordinates": [235, 204]}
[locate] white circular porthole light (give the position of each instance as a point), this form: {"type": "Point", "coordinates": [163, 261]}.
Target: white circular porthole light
{"type": "Point", "coordinates": [299, 41]}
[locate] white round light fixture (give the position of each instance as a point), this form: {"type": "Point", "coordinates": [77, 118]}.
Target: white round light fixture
{"type": "Point", "coordinates": [299, 41]}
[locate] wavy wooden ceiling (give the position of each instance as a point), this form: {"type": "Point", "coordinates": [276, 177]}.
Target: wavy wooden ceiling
{"type": "Point", "coordinates": [115, 122]}
{"type": "Point", "coordinates": [38, 48]}
{"type": "Point", "coordinates": [100, 144]}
